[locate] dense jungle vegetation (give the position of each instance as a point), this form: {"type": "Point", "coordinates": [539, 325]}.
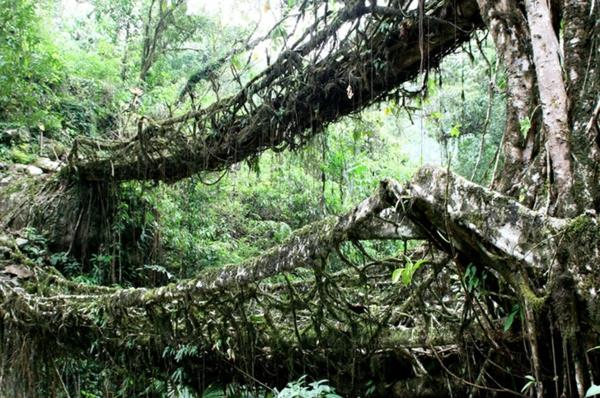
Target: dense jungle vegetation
{"type": "Point", "coordinates": [183, 185]}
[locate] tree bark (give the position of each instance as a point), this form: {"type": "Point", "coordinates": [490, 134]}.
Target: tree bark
{"type": "Point", "coordinates": [554, 102]}
{"type": "Point", "coordinates": [581, 39]}
{"type": "Point", "coordinates": [508, 27]}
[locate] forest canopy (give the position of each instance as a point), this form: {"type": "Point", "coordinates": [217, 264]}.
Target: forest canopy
{"type": "Point", "coordinates": [299, 198]}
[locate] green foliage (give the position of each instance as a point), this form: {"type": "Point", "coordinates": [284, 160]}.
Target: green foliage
{"type": "Point", "coordinates": [511, 317]}
{"type": "Point", "coordinates": [35, 246]}
{"type": "Point", "coordinates": [214, 392]}
{"type": "Point", "coordinates": [456, 109]}
{"type": "Point", "coordinates": [455, 131]}
{"type": "Point", "coordinates": [475, 279]}
{"type": "Point", "coordinates": [22, 154]}
{"type": "Point", "coordinates": [30, 70]}
{"type": "Point", "coordinates": [300, 389]}
{"type": "Point", "coordinates": [100, 264]}
{"type": "Point", "coordinates": [406, 273]}
{"type": "Point", "coordinates": [180, 352]}
{"type": "Point", "coordinates": [529, 385]}
{"type": "Point", "coordinates": [64, 78]}
{"type": "Point", "coordinates": [525, 126]}
{"type": "Point", "coordinates": [257, 206]}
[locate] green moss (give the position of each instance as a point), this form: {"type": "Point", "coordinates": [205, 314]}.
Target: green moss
{"type": "Point", "coordinates": [536, 303]}
{"type": "Point", "coordinates": [583, 224]}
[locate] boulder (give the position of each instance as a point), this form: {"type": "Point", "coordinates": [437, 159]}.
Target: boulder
{"type": "Point", "coordinates": [33, 170]}
{"type": "Point", "coordinates": [21, 242]}
{"type": "Point", "coordinates": [28, 169]}
{"type": "Point", "coordinates": [15, 136]}
{"type": "Point", "coordinates": [47, 165]}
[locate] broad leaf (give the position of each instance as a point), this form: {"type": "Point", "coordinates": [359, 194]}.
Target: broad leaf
{"type": "Point", "coordinates": [592, 391]}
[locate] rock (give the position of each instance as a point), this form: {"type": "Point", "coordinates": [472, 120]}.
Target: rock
{"type": "Point", "coordinates": [18, 271]}
{"type": "Point", "coordinates": [15, 136]}
{"type": "Point", "coordinates": [47, 164]}
{"type": "Point", "coordinates": [6, 180]}
{"type": "Point", "coordinates": [21, 242]}
{"type": "Point", "coordinates": [21, 168]}
{"type": "Point", "coordinates": [29, 169]}
{"type": "Point", "coordinates": [54, 149]}
{"type": "Point", "coordinates": [33, 170]}
{"type": "Point", "coordinates": [3, 166]}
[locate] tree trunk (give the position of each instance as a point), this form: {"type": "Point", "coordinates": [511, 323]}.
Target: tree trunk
{"type": "Point", "coordinates": [553, 99]}
{"type": "Point", "coordinates": [508, 27]}
{"type": "Point", "coordinates": [581, 59]}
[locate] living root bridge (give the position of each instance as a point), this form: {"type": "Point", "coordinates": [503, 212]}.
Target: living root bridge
{"type": "Point", "coordinates": [241, 321]}
{"type": "Point", "coordinates": [294, 98]}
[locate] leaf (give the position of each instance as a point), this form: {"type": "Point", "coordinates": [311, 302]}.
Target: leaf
{"type": "Point", "coordinates": [418, 264]}
{"type": "Point", "coordinates": [511, 317]}
{"type": "Point", "coordinates": [213, 392]}
{"type": "Point", "coordinates": [257, 318]}
{"type": "Point", "coordinates": [593, 390]}
{"type": "Point", "coordinates": [409, 271]}
{"type": "Point", "coordinates": [397, 274]}
{"type": "Point", "coordinates": [525, 125]}
{"type": "Point", "coordinates": [594, 348]}
{"type": "Point", "coordinates": [529, 384]}
{"type": "Point", "coordinates": [435, 115]}
{"type": "Point", "coordinates": [279, 33]}
{"type": "Point", "coordinates": [406, 277]}
{"type": "Point", "coordinates": [358, 170]}
{"type": "Point", "coordinates": [455, 131]}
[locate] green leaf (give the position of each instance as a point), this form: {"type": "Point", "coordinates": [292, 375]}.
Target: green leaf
{"type": "Point", "coordinates": [455, 131]}
{"type": "Point", "coordinates": [418, 264]}
{"type": "Point", "coordinates": [213, 392]}
{"type": "Point", "coordinates": [406, 277]}
{"type": "Point", "coordinates": [525, 125]}
{"type": "Point", "coordinates": [397, 274]}
{"type": "Point", "coordinates": [258, 318]}
{"type": "Point", "coordinates": [410, 271]}
{"type": "Point", "coordinates": [278, 33]}
{"type": "Point", "coordinates": [593, 390]}
{"type": "Point", "coordinates": [436, 115]}
{"type": "Point", "coordinates": [511, 317]}
{"type": "Point", "coordinates": [529, 384]}
{"type": "Point", "coordinates": [406, 274]}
